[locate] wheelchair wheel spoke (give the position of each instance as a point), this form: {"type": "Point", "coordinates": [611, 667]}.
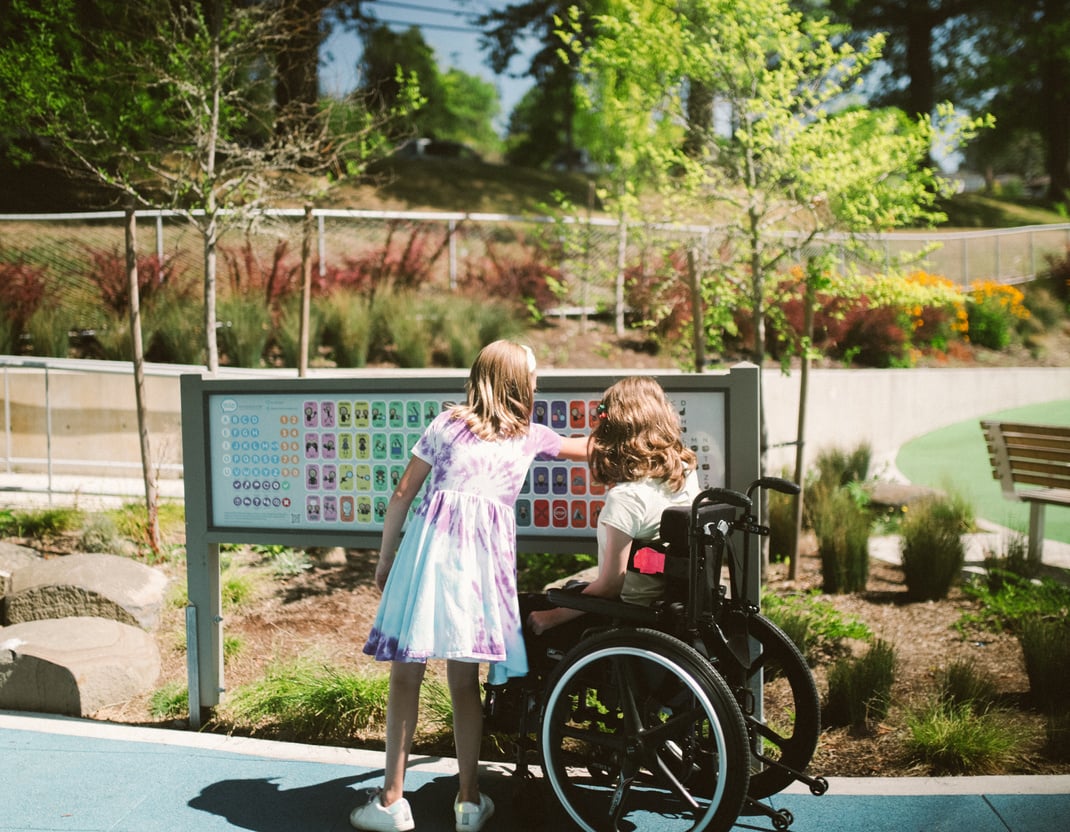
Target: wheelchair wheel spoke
{"type": "Point", "coordinates": [639, 733]}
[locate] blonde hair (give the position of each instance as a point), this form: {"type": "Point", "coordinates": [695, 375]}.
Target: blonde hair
{"type": "Point", "coordinates": [500, 392]}
{"type": "Point", "coordinates": [638, 436]}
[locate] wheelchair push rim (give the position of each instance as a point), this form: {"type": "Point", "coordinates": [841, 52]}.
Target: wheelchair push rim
{"type": "Point", "coordinates": [639, 732]}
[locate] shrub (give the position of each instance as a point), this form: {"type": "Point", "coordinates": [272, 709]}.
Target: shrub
{"type": "Point", "coordinates": [348, 328]}
{"type": "Point", "coordinates": [781, 522]}
{"type": "Point", "coordinates": [245, 275]}
{"type": "Point", "coordinates": [993, 311]}
{"type": "Point", "coordinates": [409, 337]}
{"type": "Point", "coordinates": [1057, 732]}
{"type": "Point", "coordinates": [953, 738]}
{"type": "Point", "coordinates": [874, 337]}
{"type": "Point", "coordinates": [174, 330]}
{"type": "Point", "coordinates": [22, 291]}
{"type": "Point", "coordinates": [107, 271]}
{"type": "Point", "coordinates": [466, 324]}
{"type": "Point", "coordinates": [1013, 559]}
{"type": "Point", "coordinates": [860, 689]}
{"type": "Point", "coordinates": [244, 329]}
{"type": "Point", "coordinates": [286, 333]}
{"type": "Point", "coordinates": [527, 278]}
{"type": "Point", "coordinates": [842, 527]}
{"type": "Point", "coordinates": [961, 683]}
{"type": "Point", "coordinates": [49, 332]}
{"type": "Point", "coordinates": [307, 702]}
{"type": "Point", "coordinates": [1059, 274]}
{"type": "Point", "coordinates": [113, 340]}
{"type": "Point", "coordinates": [1012, 599]}
{"type": "Point", "coordinates": [933, 552]}
{"type": "Point", "coordinates": [1046, 648]}
{"type": "Point", "coordinates": [814, 625]}
{"type": "Point", "coordinates": [656, 293]}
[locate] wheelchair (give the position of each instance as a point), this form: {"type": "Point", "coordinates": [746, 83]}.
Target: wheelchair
{"type": "Point", "coordinates": [679, 716]}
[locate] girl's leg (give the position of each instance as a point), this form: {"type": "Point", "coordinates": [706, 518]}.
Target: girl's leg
{"type": "Point", "coordinates": [463, 679]}
{"type": "Point", "coordinates": [402, 708]}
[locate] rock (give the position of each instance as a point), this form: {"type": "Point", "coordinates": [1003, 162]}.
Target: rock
{"type": "Point", "coordinates": [74, 666]}
{"type": "Point", "coordinates": [12, 557]}
{"type": "Point", "coordinates": [98, 585]}
{"type": "Point", "coordinates": [898, 494]}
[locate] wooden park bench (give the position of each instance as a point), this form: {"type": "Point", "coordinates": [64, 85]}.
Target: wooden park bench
{"type": "Point", "coordinates": [1032, 464]}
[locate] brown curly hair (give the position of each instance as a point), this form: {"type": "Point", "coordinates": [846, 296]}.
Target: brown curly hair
{"type": "Point", "coordinates": [638, 436]}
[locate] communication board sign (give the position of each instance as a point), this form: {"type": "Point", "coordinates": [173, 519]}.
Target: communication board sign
{"type": "Point", "coordinates": [313, 461]}
{"type": "Point", "coordinates": [323, 456]}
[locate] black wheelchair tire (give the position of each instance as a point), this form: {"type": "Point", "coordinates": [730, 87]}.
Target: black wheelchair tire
{"type": "Point", "coordinates": [794, 749]}
{"type": "Point", "coordinates": [674, 730]}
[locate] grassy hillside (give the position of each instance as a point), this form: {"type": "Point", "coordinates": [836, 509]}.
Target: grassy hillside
{"type": "Point", "coordinates": [469, 185]}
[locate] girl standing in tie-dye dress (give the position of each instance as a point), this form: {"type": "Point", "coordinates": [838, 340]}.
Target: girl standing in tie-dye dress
{"type": "Point", "coordinates": [449, 585]}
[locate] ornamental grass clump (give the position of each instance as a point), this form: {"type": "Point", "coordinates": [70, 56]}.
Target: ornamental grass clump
{"type": "Point", "coordinates": [860, 688]}
{"type": "Point", "coordinates": [933, 552]}
{"type": "Point", "coordinates": [1045, 645]}
{"type": "Point", "coordinates": [955, 738]}
{"type": "Point", "coordinates": [842, 528]}
{"type": "Point", "coordinates": [308, 702]}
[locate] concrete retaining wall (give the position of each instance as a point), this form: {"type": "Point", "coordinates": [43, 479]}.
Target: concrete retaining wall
{"type": "Point", "coordinates": [887, 408]}
{"type": "Point", "coordinates": [94, 420]}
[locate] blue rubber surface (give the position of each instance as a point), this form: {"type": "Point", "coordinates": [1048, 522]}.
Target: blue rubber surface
{"type": "Point", "coordinates": [83, 776]}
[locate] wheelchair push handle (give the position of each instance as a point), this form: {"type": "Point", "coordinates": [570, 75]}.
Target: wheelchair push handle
{"type": "Point", "coordinates": [722, 495]}
{"type": "Point", "coordinates": [776, 484]}
{"type": "Point", "coordinates": [741, 500]}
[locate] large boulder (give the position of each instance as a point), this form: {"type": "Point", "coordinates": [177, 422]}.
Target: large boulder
{"type": "Point", "coordinates": [12, 558]}
{"type": "Point", "coordinates": [75, 665]}
{"type": "Point", "coordinates": [99, 585]}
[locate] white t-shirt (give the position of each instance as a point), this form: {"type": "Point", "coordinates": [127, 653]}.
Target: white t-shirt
{"type": "Point", "coordinates": [635, 508]}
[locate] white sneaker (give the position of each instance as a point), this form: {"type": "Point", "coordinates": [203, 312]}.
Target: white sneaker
{"type": "Point", "coordinates": [373, 816]}
{"type": "Point", "coordinates": [471, 816]}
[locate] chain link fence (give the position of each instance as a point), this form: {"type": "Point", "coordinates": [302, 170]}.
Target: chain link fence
{"type": "Point", "coordinates": [587, 259]}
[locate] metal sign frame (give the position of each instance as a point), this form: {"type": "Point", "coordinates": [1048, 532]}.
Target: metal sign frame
{"type": "Point", "coordinates": [255, 454]}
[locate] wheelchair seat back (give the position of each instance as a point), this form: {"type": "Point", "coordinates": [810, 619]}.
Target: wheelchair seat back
{"type": "Point", "coordinates": [689, 558]}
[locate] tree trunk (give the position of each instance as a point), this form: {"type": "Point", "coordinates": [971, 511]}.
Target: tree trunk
{"type": "Point", "coordinates": [152, 501]}
{"type": "Point", "coordinates": [306, 293]}
{"type": "Point", "coordinates": [297, 68]}
{"type": "Point", "coordinates": [1055, 79]}
{"type": "Point", "coordinates": [698, 331]}
{"type": "Point", "coordinates": [800, 432]}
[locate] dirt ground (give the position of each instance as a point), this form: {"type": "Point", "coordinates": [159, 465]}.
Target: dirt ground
{"type": "Point", "coordinates": [324, 613]}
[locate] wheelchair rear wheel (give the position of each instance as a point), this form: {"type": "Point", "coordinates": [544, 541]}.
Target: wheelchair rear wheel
{"type": "Point", "coordinates": [788, 732]}
{"type": "Point", "coordinates": [639, 732]}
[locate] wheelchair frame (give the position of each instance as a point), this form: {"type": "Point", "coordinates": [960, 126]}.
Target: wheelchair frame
{"type": "Point", "coordinates": [656, 715]}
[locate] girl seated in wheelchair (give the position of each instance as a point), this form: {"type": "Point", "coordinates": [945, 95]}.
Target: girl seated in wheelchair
{"type": "Point", "coordinates": [637, 451]}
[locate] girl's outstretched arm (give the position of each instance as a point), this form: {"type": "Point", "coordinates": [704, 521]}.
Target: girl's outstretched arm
{"type": "Point", "coordinates": [612, 566]}
{"type": "Point", "coordinates": [573, 448]}
{"type": "Point", "coordinates": [396, 510]}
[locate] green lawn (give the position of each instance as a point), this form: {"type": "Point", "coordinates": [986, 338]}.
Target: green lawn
{"type": "Point", "coordinates": [956, 458]}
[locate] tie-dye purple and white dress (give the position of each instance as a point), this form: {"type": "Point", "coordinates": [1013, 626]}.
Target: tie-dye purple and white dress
{"type": "Point", "coordinates": [451, 592]}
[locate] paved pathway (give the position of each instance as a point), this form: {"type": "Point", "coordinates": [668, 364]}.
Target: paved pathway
{"type": "Point", "coordinates": [84, 776]}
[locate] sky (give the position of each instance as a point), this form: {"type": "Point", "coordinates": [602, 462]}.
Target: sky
{"type": "Point", "coordinates": [446, 28]}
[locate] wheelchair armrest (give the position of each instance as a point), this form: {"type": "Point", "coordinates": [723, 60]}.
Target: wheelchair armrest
{"type": "Point", "coordinates": [607, 607]}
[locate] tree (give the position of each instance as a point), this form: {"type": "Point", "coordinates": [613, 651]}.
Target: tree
{"type": "Point", "coordinates": [191, 128]}
{"type": "Point", "coordinates": [545, 130]}
{"type": "Point", "coordinates": [454, 106]}
{"type": "Point", "coordinates": [794, 160]}
{"type": "Point", "coordinates": [1019, 70]}
{"type": "Point", "coordinates": [1008, 59]}
{"type": "Point", "coordinates": [919, 50]}
{"type": "Point", "coordinates": [194, 128]}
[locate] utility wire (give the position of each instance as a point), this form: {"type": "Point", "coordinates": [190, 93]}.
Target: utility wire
{"type": "Point", "coordinates": [413, 7]}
